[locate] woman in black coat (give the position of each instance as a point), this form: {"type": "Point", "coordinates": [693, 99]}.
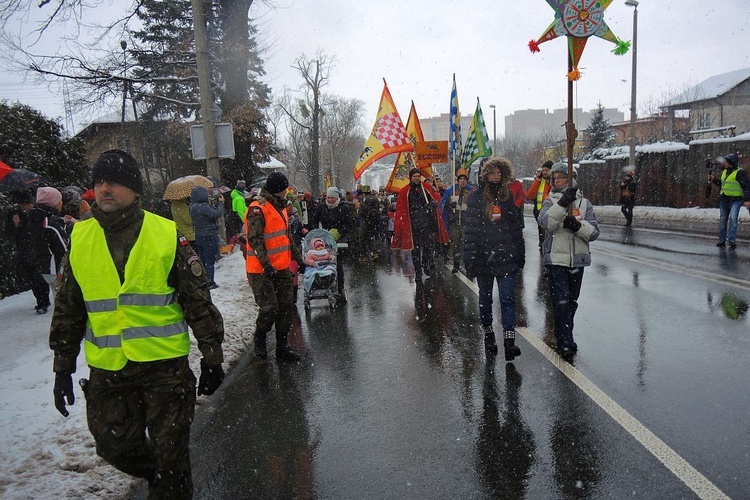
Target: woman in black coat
{"type": "Point", "coordinates": [494, 249]}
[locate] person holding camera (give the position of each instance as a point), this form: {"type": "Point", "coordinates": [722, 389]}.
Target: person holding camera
{"type": "Point", "coordinates": [570, 224]}
{"type": "Point", "coordinates": [206, 219]}
{"type": "Point", "coordinates": [735, 192]}
{"type": "Point", "coordinates": [627, 196]}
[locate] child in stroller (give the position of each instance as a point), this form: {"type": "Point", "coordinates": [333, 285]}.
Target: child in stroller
{"type": "Point", "coordinates": [319, 279]}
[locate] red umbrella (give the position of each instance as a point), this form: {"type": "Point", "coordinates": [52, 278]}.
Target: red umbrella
{"type": "Point", "coordinates": [5, 169]}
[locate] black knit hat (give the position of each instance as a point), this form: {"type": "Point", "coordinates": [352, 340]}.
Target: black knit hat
{"type": "Point", "coordinates": [118, 166]}
{"type": "Point", "coordinates": [276, 182]}
{"type": "Point", "coordinates": [413, 171]}
{"type": "Point", "coordinates": [547, 164]}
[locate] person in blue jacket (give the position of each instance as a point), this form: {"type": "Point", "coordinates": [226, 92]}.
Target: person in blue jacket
{"type": "Point", "coordinates": [454, 215]}
{"type": "Point", "coordinates": [206, 220]}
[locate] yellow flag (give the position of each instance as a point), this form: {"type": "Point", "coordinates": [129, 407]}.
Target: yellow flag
{"type": "Point", "coordinates": [329, 183]}
{"type": "Point", "coordinates": [406, 160]}
{"type": "Point", "coordinates": [388, 135]}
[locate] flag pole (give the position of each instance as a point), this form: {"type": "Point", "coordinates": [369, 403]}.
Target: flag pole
{"type": "Point", "coordinates": [570, 130]}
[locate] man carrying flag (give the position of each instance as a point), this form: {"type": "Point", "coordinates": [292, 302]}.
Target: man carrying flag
{"type": "Point", "coordinates": [418, 223]}
{"type": "Point", "coordinates": [454, 215]}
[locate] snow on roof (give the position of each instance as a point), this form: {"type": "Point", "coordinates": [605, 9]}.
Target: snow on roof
{"type": "Point", "coordinates": [711, 88]}
{"type": "Point", "coordinates": [737, 138]}
{"type": "Point", "coordinates": [622, 152]}
{"type": "Point", "coordinates": [271, 164]}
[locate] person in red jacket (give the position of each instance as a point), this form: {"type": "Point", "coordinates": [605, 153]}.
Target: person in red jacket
{"type": "Point", "coordinates": [538, 192]}
{"type": "Point", "coordinates": [418, 223]}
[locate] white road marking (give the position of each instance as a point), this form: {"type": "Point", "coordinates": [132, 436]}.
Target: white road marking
{"type": "Point", "coordinates": [685, 472]}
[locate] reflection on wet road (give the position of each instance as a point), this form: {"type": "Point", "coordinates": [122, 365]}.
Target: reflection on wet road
{"type": "Point", "coordinates": [396, 399]}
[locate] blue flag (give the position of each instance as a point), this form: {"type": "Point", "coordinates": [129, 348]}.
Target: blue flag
{"type": "Point", "coordinates": [454, 140]}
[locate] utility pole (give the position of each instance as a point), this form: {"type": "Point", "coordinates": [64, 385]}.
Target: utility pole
{"type": "Point", "coordinates": [204, 85]}
{"type": "Point", "coordinates": [634, 4]}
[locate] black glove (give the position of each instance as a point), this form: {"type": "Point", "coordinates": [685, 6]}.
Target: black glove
{"type": "Point", "coordinates": [569, 196]}
{"type": "Point", "coordinates": [570, 222]}
{"type": "Point", "coordinates": [300, 266]}
{"type": "Point", "coordinates": [63, 389]}
{"type": "Point", "coordinates": [269, 271]}
{"type": "Point", "coordinates": [211, 378]}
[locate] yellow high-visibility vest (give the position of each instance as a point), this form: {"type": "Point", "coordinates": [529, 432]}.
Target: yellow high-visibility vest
{"type": "Point", "coordinates": [729, 184]}
{"type": "Point", "coordinates": [540, 193]}
{"type": "Point", "coordinates": [139, 319]}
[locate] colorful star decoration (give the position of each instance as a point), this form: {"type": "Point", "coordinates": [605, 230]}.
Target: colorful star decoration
{"type": "Point", "coordinates": [578, 20]}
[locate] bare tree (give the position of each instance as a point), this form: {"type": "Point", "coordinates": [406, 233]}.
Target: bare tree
{"type": "Point", "coordinates": [343, 134]}
{"type": "Point", "coordinates": [304, 112]}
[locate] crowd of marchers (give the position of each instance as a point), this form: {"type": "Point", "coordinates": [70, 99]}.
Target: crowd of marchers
{"type": "Point", "coordinates": [131, 283]}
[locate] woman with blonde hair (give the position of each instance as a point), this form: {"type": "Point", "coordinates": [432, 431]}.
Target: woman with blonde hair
{"type": "Point", "coordinates": [494, 249]}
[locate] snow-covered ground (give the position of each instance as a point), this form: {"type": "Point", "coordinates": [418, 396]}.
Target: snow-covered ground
{"type": "Point", "coordinates": [44, 455]}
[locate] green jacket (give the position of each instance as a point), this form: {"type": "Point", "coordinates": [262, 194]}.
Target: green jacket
{"type": "Point", "coordinates": [239, 206]}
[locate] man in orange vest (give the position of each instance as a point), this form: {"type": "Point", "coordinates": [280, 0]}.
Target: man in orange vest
{"type": "Point", "coordinates": [538, 192]}
{"type": "Point", "coordinates": [270, 251]}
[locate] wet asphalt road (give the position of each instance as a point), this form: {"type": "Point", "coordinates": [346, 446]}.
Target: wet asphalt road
{"type": "Point", "coordinates": [395, 397]}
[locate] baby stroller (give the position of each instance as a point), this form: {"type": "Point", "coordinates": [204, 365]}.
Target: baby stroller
{"type": "Point", "coordinates": [320, 281]}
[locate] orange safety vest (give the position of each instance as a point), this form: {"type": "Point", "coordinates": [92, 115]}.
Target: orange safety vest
{"type": "Point", "coordinates": [275, 237]}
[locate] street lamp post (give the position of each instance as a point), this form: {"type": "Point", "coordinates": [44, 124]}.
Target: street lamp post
{"type": "Point", "coordinates": [494, 131]}
{"type": "Point", "coordinates": [124, 46]}
{"type": "Point", "coordinates": [634, 4]}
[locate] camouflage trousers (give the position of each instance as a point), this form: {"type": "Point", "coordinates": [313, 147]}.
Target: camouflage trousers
{"type": "Point", "coordinates": [140, 418]}
{"type": "Point", "coordinates": [275, 299]}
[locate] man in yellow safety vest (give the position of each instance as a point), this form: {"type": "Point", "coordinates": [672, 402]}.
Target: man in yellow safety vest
{"type": "Point", "coordinates": [130, 287]}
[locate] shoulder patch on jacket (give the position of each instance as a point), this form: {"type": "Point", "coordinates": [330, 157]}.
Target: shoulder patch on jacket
{"type": "Point", "coordinates": [194, 263]}
{"type": "Point", "coordinates": [256, 210]}
{"type": "Point", "coordinates": [183, 241]}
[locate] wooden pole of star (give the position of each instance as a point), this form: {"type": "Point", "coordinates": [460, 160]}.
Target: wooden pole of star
{"type": "Point", "coordinates": [570, 130]}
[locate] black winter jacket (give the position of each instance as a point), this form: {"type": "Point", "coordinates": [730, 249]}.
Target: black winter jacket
{"type": "Point", "coordinates": [493, 248]}
{"type": "Point", "coordinates": [48, 238]}
{"type": "Point", "coordinates": [339, 218]}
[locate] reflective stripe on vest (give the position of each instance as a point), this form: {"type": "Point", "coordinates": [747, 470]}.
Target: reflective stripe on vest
{"type": "Point", "coordinates": [140, 319]}
{"type": "Point", "coordinates": [729, 184]}
{"type": "Point", "coordinates": [275, 238]}
{"type": "Point", "coordinates": [540, 193]}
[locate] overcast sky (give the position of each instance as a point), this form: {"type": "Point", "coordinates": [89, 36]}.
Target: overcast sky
{"type": "Point", "coordinates": [418, 45]}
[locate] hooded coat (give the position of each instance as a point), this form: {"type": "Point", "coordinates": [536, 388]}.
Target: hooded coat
{"type": "Point", "coordinates": [494, 247]}
{"type": "Point", "coordinates": [205, 217]}
{"type": "Point", "coordinates": [563, 247]}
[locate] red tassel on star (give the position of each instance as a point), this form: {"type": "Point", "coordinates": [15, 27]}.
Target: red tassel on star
{"type": "Point", "coordinates": [534, 46]}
